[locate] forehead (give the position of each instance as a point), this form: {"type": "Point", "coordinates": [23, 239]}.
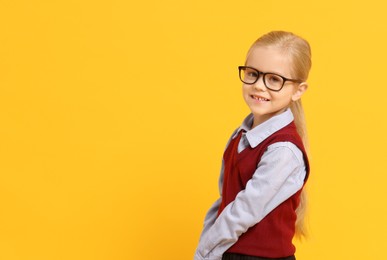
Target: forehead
{"type": "Point", "coordinates": [270, 59]}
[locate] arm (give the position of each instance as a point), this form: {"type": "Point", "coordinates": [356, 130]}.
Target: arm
{"type": "Point", "coordinates": [279, 175]}
{"type": "Point", "coordinates": [213, 211]}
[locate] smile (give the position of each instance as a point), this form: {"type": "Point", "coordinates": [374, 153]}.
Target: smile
{"type": "Point", "coordinates": [259, 98]}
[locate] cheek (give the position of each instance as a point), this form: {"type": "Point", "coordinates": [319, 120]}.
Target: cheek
{"type": "Point", "coordinates": [245, 93]}
{"type": "Point", "coordinates": [244, 90]}
{"type": "Point", "coordinates": [284, 97]}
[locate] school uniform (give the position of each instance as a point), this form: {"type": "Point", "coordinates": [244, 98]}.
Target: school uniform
{"type": "Point", "coordinates": [263, 172]}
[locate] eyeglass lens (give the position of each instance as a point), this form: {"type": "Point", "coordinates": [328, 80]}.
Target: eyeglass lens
{"type": "Point", "coordinates": [271, 81]}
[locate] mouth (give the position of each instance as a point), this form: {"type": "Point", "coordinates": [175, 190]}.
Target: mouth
{"type": "Point", "coordinates": [259, 98]}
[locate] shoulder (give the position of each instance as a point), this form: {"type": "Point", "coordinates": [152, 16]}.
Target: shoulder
{"type": "Point", "coordinates": [233, 135]}
{"type": "Point", "coordinates": [286, 151]}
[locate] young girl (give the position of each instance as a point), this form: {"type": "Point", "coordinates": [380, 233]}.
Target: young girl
{"type": "Point", "coordinates": [265, 165]}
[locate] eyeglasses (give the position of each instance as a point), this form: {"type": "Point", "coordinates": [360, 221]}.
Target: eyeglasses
{"type": "Point", "coordinates": [272, 81]}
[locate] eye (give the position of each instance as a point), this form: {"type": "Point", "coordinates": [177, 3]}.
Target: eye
{"type": "Point", "coordinates": [251, 73]}
{"type": "Point", "coordinates": [273, 79]}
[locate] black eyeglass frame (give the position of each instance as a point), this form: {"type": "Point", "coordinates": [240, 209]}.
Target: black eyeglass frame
{"type": "Point", "coordinates": [263, 77]}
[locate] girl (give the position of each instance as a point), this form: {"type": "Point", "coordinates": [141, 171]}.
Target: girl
{"type": "Point", "coordinates": [265, 164]}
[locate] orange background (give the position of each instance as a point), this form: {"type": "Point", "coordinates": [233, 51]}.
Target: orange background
{"type": "Point", "coordinates": [114, 115]}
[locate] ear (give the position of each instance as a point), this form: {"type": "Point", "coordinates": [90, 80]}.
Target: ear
{"type": "Point", "coordinates": [299, 91]}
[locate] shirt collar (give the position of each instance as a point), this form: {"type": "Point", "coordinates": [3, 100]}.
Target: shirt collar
{"type": "Point", "coordinates": [262, 131]}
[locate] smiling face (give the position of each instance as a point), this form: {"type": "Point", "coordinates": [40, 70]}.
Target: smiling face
{"type": "Point", "coordinates": [263, 102]}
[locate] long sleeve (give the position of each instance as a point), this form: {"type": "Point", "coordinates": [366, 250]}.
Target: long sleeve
{"type": "Point", "coordinates": [212, 213]}
{"type": "Point", "coordinates": [279, 175]}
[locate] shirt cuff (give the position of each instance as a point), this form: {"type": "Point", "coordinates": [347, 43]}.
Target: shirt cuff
{"type": "Point", "coordinates": [198, 256]}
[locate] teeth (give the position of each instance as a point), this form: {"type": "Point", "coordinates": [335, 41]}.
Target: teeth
{"type": "Point", "coordinates": [260, 98]}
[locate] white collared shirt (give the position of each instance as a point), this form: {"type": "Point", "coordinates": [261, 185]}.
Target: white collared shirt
{"type": "Point", "coordinates": [279, 175]}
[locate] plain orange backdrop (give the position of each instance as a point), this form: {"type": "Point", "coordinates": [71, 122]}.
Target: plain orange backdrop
{"type": "Point", "coordinates": [114, 116]}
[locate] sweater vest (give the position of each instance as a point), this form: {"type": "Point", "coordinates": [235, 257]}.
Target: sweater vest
{"type": "Point", "coordinates": [272, 236]}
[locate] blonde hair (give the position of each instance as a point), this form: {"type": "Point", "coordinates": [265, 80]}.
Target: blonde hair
{"type": "Point", "coordinates": [299, 53]}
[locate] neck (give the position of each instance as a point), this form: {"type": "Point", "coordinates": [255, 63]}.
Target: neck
{"type": "Point", "coordinates": [258, 120]}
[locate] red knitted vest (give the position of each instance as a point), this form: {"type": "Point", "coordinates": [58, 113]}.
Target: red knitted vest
{"type": "Point", "coordinates": [272, 236]}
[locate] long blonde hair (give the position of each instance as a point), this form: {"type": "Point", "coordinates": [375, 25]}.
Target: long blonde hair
{"type": "Point", "coordinates": [298, 50]}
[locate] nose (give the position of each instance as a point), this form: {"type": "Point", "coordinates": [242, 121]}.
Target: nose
{"type": "Point", "coordinates": [260, 85]}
